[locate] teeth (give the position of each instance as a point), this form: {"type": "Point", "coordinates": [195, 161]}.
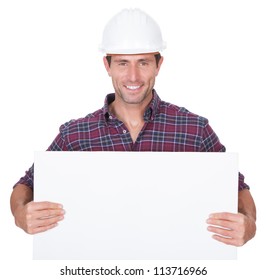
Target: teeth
{"type": "Point", "coordinates": [133, 87]}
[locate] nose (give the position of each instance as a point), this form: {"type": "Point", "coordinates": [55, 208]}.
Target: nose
{"type": "Point", "coordinates": [133, 73]}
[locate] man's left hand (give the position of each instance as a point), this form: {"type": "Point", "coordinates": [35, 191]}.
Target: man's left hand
{"type": "Point", "coordinates": [231, 229]}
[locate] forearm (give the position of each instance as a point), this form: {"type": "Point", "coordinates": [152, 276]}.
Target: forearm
{"type": "Point", "coordinates": [20, 196]}
{"type": "Point", "coordinates": [246, 204]}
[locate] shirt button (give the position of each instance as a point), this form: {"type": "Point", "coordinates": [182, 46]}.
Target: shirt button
{"type": "Point", "coordinates": [124, 131]}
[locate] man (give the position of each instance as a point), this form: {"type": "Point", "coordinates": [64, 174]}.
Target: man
{"type": "Point", "coordinates": [134, 118]}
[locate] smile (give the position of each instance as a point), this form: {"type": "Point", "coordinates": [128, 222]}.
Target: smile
{"type": "Point", "coordinates": [133, 87]}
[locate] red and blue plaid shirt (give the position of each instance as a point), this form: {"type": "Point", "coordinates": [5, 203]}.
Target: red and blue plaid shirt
{"type": "Point", "coordinates": [167, 128]}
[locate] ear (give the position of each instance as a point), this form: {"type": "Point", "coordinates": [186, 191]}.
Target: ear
{"type": "Point", "coordinates": [159, 65]}
{"type": "Point", "coordinates": [106, 65]}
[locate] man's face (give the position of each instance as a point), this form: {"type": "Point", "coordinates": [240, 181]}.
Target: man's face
{"type": "Point", "coordinates": [133, 76]}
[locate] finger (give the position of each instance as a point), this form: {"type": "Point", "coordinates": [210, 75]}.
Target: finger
{"type": "Point", "coordinates": [33, 206]}
{"type": "Point", "coordinates": [47, 222]}
{"type": "Point", "coordinates": [46, 214]}
{"type": "Point", "coordinates": [222, 231]}
{"type": "Point", "coordinates": [43, 214]}
{"type": "Point", "coordinates": [33, 225]}
{"type": "Point", "coordinates": [42, 228]}
{"type": "Point", "coordinates": [229, 241]}
{"type": "Point", "coordinates": [223, 223]}
{"type": "Point", "coordinates": [225, 216]}
{"type": "Point", "coordinates": [225, 240]}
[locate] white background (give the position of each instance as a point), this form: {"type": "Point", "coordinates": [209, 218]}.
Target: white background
{"type": "Point", "coordinates": [51, 71]}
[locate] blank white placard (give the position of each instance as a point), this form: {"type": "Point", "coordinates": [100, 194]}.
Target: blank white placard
{"type": "Point", "coordinates": [135, 205]}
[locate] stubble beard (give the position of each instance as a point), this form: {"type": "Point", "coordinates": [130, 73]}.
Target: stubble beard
{"type": "Point", "coordinates": [134, 98]}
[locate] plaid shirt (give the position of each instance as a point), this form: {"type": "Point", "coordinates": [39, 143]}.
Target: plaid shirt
{"type": "Point", "coordinates": [167, 128]}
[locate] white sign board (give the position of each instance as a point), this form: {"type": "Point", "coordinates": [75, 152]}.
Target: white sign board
{"type": "Point", "coordinates": [135, 205]}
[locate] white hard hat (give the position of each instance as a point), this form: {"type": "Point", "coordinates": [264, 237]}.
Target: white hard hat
{"type": "Point", "coordinates": [132, 31]}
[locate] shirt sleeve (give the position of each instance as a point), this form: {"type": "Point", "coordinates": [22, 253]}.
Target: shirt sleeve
{"type": "Point", "coordinates": [28, 178]}
{"type": "Point", "coordinates": [57, 145]}
{"type": "Point", "coordinates": [241, 182]}
{"type": "Point", "coordinates": [211, 143]}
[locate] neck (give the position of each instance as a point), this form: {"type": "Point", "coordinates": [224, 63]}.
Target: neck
{"type": "Point", "coordinates": [130, 114]}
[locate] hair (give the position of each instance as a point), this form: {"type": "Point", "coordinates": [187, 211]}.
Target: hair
{"type": "Point", "coordinates": [157, 59]}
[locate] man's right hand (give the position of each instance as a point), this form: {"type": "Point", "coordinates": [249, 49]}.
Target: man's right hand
{"type": "Point", "coordinates": [36, 217]}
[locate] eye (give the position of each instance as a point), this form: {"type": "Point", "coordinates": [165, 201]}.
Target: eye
{"type": "Point", "coordinates": [143, 63]}
{"type": "Point", "coordinates": [122, 63]}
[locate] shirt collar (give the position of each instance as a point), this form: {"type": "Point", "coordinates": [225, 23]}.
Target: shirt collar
{"type": "Point", "coordinates": [149, 114]}
{"type": "Point", "coordinates": [153, 107]}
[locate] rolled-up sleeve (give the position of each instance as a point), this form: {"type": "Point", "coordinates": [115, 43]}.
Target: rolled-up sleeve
{"type": "Point", "coordinates": [57, 145]}
{"type": "Point", "coordinates": [28, 178]}
{"type": "Point", "coordinates": [241, 182]}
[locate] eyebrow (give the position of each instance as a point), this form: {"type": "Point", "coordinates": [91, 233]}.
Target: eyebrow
{"type": "Point", "coordinates": [126, 60]}
{"type": "Point", "coordinates": [121, 60]}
